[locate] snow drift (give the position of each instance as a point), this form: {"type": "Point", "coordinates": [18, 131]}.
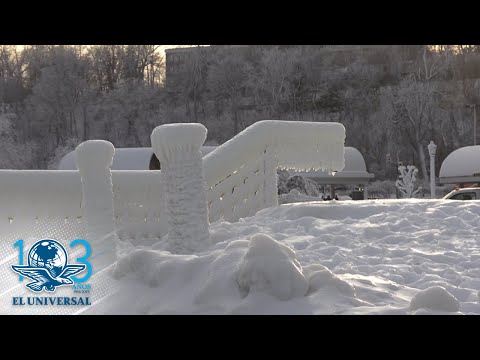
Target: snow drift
{"type": "Point", "coordinates": [346, 257]}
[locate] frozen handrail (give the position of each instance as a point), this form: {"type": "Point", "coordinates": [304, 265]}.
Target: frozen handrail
{"type": "Point", "coordinates": [298, 145]}
{"type": "Point", "coordinates": [241, 174]}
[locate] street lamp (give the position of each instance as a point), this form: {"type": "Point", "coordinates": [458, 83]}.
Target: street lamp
{"type": "Point", "coordinates": [432, 149]}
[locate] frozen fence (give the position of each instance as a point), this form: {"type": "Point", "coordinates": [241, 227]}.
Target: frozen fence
{"type": "Point", "coordinates": [236, 180]}
{"type": "Point", "coordinates": [30, 195]}
{"type": "Point", "coordinates": [241, 174]}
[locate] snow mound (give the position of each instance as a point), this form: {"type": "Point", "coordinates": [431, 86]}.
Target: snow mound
{"type": "Point", "coordinates": [220, 288]}
{"type": "Point", "coordinates": [435, 298]}
{"type": "Point", "coordinates": [271, 267]}
{"type": "Point", "coordinates": [319, 277]}
{"type": "Point", "coordinates": [156, 268]}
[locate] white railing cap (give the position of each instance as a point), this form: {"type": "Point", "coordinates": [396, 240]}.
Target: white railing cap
{"type": "Point", "coordinates": [94, 154]}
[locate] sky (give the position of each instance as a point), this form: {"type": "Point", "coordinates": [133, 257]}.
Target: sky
{"type": "Point", "coordinates": [162, 47]}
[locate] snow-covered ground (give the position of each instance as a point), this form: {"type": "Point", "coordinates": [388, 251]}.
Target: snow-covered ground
{"type": "Point", "coordinates": [325, 257]}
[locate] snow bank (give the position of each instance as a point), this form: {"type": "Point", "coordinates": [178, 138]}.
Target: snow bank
{"type": "Point", "coordinates": [271, 267]}
{"type": "Point", "coordinates": [220, 286]}
{"type": "Point", "coordinates": [435, 298]}
{"type": "Point", "coordinates": [350, 257]}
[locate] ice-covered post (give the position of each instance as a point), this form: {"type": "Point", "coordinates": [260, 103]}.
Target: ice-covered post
{"type": "Point", "coordinates": [177, 146]}
{"type": "Point", "coordinates": [432, 149]}
{"type": "Point", "coordinates": [94, 159]}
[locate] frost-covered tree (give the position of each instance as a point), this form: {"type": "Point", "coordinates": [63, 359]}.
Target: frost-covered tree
{"type": "Point", "coordinates": [406, 182]}
{"type": "Point", "coordinates": [412, 108]}
{"type": "Point", "coordinates": [226, 83]}
{"type": "Point", "coordinates": [61, 151]}
{"type": "Point", "coordinates": [57, 99]}
{"type": "Point", "coordinates": [191, 88]}
{"type": "Point", "coordinates": [269, 80]}
{"type": "Point", "coordinates": [391, 99]}
{"type": "Point", "coordinates": [14, 154]}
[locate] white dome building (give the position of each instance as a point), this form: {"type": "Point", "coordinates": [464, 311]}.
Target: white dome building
{"type": "Point", "coordinates": [462, 167]}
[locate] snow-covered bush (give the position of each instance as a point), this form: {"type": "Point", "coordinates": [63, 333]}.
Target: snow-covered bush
{"type": "Point", "coordinates": [287, 183]}
{"type": "Point", "coordinates": [406, 182]}
{"type": "Point", "coordinates": [304, 185]}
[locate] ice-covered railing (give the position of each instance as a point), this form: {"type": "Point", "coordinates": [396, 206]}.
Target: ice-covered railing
{"type": "Point", "coordinates": [241, 174]}
{"type": "Point", "coordinates": [27, 196]}
{"type": "Point", "coordinates": [235, 180]}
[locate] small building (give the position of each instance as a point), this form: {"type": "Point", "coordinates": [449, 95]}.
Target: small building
{"type": "Point", "coordinates": [462, 167]}
{"type": "Point", "coordinates": [354, 173]}
{"type": "Point", "coordinates": [127, 159]}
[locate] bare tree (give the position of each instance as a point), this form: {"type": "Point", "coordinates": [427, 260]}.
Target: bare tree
{"type": "Point", "coordinates": [191, 85]}
{"type": "Point", "coordinates": [412, 107]}
{"type": "Point", "coordinates": [270, 80]}
{"type": "Point", "coordinates": [106, 65]}
{"type": "Point", "coordinates": [226, 82]}
{"type": "Point", "coordinates": [433, 64]}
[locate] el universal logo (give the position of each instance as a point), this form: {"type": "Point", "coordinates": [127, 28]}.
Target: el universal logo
{"type": "Point", "coordinates": [48, 268]}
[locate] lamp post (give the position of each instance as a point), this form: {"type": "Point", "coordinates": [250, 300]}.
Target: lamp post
{"type": "Point", "coordinates": [432, 149]}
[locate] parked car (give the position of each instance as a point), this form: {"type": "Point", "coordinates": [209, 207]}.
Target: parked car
{"type": "Point", "coordinates": [464, 194]}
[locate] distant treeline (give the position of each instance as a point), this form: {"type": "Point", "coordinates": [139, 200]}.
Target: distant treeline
{"type": "Point", "coordinates": [392, 99]}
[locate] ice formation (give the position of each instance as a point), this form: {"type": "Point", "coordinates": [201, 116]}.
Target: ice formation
{"type": "Point", "coordinates": [177, 146]}
{"type": "Point", "coordinates": [94, 158]}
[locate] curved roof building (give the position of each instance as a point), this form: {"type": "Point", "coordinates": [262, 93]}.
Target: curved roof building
{"type": "Point", "coordinates": [461, 166]}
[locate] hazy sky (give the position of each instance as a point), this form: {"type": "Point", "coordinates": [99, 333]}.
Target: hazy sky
{"type": "Point", "coordinates": [162, 47]}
